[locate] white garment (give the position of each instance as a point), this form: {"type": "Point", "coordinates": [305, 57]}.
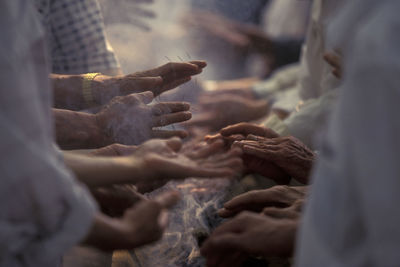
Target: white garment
{"type": "Point", "coordinates": [276, 23]}
{"type": "Point", "coordinates": [316, 83]}
{"type": "Point", "coordinates": [43, 211]}
{"type": "Point", "coordinates": [352, 218]}
{"type": "Point", "coordinates": [315, 76]}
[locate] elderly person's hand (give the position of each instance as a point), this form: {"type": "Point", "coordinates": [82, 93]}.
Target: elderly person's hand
{"type": "Point", "coordinates": [249, 234]}
{"type": "Point", "coordinates": [220, 111]}
{"type": "Point", "coordinates": [288, 153]}
{"type": "Point", "coordinates": [130, 120]}
{"type": "Point", "coordinates": [157, 80]}
{"type": "Point", "coordinates": [258, 200]}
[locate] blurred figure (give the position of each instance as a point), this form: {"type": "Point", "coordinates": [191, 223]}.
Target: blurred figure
{"type": "Point", "coordinates": [233, 31]}
{"type": "Point", "coordinates": [351, 218]}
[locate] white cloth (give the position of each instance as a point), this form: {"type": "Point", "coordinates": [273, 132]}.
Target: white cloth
{"type": "Point", "coordinates": [315, 75]}
{"type": "Point", "coordinates": [352, 218]}
{"type": "Point", "coordinates": [43, 211]}
{"type": "Point", "coordinates": [316, 83]}
{"type": "Point", "coordinates": [276, 23]}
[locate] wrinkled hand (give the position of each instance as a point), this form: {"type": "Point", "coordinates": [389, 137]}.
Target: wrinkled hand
{"type": "Point", "coordinates": [115, 200]}
{"type": "Point", "coordinates": [238, 132]}
{"type": "Point", "coordinates": [220, 111]}
{"type": "Point", "coordinates": [288, 153]}
{"type": "Point", "coordinates": [157, 80]}
{"type": "Point", "coordinates": [130, 120]}
{"type": "Point", "coordinates": [268, 199]}
{"type": "Point", "coordinates": [249, 234]}
{"type": "Point", "coordinates": [335, 60]}
{"type": "Point", "coordinates": [145, 222]}
{"type": "Point", "coordinates": [166, 161]}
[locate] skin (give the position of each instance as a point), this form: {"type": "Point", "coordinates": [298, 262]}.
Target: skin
{"type": "Point", "coordinates": [141, 224]}
{"type": "Point", "coordinates": [335, 60]}
{"type": "Point", "coordinates": [222, 110]}
{"type": "Point", "coordinates": [150, 164]}
{"type": "Point", "coordinates": [249, 234]}
{"type": "Point", "coordinates": [288, 153]}
{"type": "Point", "coordinates": [270, 155]}
{"type": "Point", "coordinates": [68, 88]}
{"type": "Point", "coordinates": [280, 196]}
{"type": "Point", "coordinates": [127, 120]}
{"type": "Point", "coordinates": [116, 199]}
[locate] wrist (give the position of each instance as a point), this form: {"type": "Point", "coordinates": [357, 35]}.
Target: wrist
{"type": "Point", "coordinates": [104, 88]}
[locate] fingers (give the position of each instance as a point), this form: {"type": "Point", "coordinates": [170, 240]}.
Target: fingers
{"type": "Point", "coordinates": [199, 63]}
{"type": "Point", "coordinates": [175, 144]}
{"type": "Point", "coordinates": [207, 150]}
{"type": "Point", "coordinates": [174, 84]}
{"type": "Point", "coordinates": [169, 107]}
{"type": "Point", "coordinates": [165, 134]}
{"type": "Point", "coordinates": [169, 199]}
{"type": "Point", "coordinates": [201, 120]}
{"type": "Point", "coordinates": [168, 119]}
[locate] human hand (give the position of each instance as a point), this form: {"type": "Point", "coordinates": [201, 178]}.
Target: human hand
{"type": "Point", "coordinates": [249, 234]}
{"type": "Point", "coordinates": [205, 162]}
{"type": "Point", "coordinates": [157, 80]}
{"type": "Point", "coordinates": [114, 150]}
{"type": "Point", "coordinates": [335, 60]}
{"type": "Point", "coordinates": [130, 120]}
{"type": "Point", "coordinates": [141, 224]}
{"type": "Point", "coordinates": [239, 87]}
{"type": "Point", "coordinates": [288, 153]}
{"type": "Point", "coordinates": [280, 196]}
{"type": "Point", "coordinates": [220, 111]}
{"type": "Point", "coordinates": [116, 199]}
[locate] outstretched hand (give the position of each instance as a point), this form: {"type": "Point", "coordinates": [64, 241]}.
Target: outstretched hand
{"type": "Point", "coordinates": [130, 120]}
{"type": "Point", "coordinates": [157, 80]}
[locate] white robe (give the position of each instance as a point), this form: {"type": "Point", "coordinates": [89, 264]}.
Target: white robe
{"type": "Point", "coordinates": [43, 211]}
{"type": "Point", "coordinates": [352, 217]}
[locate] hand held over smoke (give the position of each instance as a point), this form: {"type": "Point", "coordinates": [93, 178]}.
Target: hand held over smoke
{"type": "Point", "coordinates": [164, 160]}
{"type": "Point", "coordinates": [288, 153]}
{"type": "Point", "coordinates": [130, 119]}
{"type": "Point", "coordinates": [141, 224]}
{"type": "Point", "coordinates": [157, 80]}
{"type": "Point", "coordinates": [279, 196]}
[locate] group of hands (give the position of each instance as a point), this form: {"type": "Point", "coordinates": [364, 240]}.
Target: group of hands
{"type": "Point", "coordinates": [240, 148]}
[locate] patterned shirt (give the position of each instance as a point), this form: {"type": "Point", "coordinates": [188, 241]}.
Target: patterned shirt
{"type": "Point", "coordinates": [76, 36]}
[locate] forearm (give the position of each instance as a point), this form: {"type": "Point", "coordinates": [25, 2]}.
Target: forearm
{"type": "Point", "coordinates": [67, 91]}
{"type": "Point", "coordinates": [78, 130]}
{"type": "Point", "coordinates": [106, 171]}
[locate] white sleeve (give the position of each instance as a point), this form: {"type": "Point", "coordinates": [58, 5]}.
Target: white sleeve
{"type": "Point", "coordinates": [43, 210]}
